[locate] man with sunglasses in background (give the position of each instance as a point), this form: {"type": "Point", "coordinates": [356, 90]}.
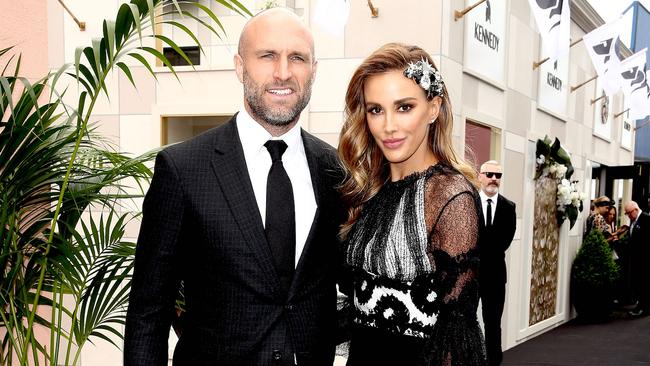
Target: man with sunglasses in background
{"type": "Point", "coordinates": [498, 224]}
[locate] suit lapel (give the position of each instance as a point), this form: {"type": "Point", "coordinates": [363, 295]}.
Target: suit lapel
{"type": "Point", "coordinates": [313, 154]}
{"type": "Point", "coordinates": [498, 213]}
{"type": "Point", "coordinates": [229, 166]}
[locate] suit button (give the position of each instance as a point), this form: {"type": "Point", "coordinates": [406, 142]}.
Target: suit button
{"type": "Point", "coordinates": [289, 307]}
{"type": "Point", "coordinates": [277, 355]}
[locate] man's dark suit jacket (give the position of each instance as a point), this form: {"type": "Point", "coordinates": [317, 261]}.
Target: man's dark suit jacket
{"type": "Point", "coordinates": [640, 236]}
{"type": "Point", "coordinates": [201, 224]}
{"type": "Point", "coordinates": [640, 253]}
{"type": "Point", "coordinates": [495, 240]}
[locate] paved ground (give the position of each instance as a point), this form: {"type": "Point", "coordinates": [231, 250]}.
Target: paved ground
{"type": "Point", "coordinates": [623, 341]}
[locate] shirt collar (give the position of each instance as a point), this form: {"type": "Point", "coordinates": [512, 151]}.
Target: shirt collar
{"type": "Point", "coordinates": [253, 136]}
{"type": "Point", "coordinates": [484, 196]}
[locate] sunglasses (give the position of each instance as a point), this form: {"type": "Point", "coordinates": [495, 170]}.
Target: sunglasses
{"type": "Point", "coordinates": [492, 174]}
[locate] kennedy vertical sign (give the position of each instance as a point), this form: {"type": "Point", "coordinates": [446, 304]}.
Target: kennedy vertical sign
{"type": "Point", "coordinates": [626, 126]}
{"type": "Point", "coordinates": [485, 46]}
{"type": "Point", "coordinates": [553, 85]}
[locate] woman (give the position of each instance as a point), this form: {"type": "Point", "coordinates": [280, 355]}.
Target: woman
{"type": "Point", "coordinates": [614, 230]}
{"type": "Point", "coordinates": [620, 255]}
{"type": "Point", "coordinates": [412, 224]}
{"type": "Point", "coordinates": [596, 219]}
{"type": "Point", "coordinates": [610, 219]}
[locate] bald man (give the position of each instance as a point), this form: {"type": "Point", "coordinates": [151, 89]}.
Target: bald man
{"type": "Point", "coordinates": [246, 216]}
{"type": "Point", "coordinates": [639, 244]}
{"type": "Point", "coordinates": [498, 223]}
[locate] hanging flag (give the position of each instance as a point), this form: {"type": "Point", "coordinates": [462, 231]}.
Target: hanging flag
{"type": "Point", "coordinates": [640, 101]}
{"type": "Point", "coordinates": [635, 84]}
{"type": "Point", "coordinates": [604, 46]}
{"type": "Point", "coordinates": [553, 22]}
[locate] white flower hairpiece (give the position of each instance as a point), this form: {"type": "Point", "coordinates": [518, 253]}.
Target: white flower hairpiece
{"type": "Point", "coordinates": [426, 76]}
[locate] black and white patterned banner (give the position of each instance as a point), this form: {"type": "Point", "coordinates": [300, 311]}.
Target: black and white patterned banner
{"type": "Point", "coordinates": [553, 22]}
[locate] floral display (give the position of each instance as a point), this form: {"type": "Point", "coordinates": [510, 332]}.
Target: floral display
{"type": "Point", "coordinates": [554, 162]}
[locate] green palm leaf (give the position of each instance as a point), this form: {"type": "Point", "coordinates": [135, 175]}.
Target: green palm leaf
{"type": "Point", "coordinates": [53, 168]}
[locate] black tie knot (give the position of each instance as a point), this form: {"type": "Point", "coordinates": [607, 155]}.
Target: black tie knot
{"type": "Point", "coordinates": [489, 201]}
{"type": "Point", "coordinates": [276, 148]}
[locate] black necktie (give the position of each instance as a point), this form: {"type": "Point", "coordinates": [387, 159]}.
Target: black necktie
{"type": "Point", "coordinates": [280, 226]}
{"type": "Point", "coordinates": [489, 213]}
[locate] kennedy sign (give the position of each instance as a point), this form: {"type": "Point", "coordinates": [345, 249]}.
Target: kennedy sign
{"type": "Point", "coordinates": [485, 46]}
{"type": "Point", "coordinates": [627, 126]}
{"type": "Point", "coordinates": [553, 86]}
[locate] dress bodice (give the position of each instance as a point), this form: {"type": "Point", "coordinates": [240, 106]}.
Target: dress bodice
{"type": "Point", "coordinates": [413, 253]}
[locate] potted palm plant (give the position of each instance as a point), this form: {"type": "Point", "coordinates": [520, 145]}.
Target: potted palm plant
{"type": "Point", "coordinates": [593, 277]}
{"type": "Point", "coordinates": [58, 271]}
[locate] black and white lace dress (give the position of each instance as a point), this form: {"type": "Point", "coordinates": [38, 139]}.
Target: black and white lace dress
{"type": "Point", "coordinates": [413, 257]}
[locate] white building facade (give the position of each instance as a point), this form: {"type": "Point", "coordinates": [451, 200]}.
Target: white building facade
{"type": "Point", "coordinates": [501, 104]}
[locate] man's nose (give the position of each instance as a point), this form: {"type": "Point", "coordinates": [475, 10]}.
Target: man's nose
{"type": "Point", "coordinates": [282, 69]}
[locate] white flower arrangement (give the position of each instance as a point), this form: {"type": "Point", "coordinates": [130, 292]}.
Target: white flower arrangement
{"type": "Point", "coordinates": [569, 195]}
{"type": "Point", "coordinates": [554, 162]}
{"type": "Point", "coordinates": [556, 170]}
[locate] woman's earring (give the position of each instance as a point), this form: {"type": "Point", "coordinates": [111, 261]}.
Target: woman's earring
{"type": "Point", "coordinates": [433, 120]}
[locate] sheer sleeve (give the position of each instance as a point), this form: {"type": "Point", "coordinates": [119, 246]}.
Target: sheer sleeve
{"type": "Point", "coordinates": [456, 337]}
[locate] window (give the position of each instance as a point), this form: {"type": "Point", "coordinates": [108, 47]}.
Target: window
{"type": "Point", "coordinates": [176, 59]}
{"type": "Point", "coordinates": [177, 129]}
{"type": "Point", "coordinates": [481, 143]}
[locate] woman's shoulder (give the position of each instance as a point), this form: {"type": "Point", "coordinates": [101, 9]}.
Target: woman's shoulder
{"type": "Point", "coordinates": [448, 182]}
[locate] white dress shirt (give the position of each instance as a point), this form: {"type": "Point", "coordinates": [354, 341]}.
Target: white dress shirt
{"type": "Point", "coordinates": [484, 198]}
{"type": "Point", "coordinates": [258, 161]}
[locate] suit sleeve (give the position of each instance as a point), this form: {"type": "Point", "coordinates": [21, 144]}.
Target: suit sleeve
{"type": "Point", "coordinates": [154, 285]}
{"type": "Point", "coordinates": [511, 226]}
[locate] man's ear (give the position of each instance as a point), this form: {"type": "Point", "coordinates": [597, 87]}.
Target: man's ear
{"type": "Point", "coordinates": [239, 67]}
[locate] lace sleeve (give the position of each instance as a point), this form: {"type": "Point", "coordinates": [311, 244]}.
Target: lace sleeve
{"type": "Point", "coordinates": [456, 337]}
{"type": "Point", "coordinates": [453, 247]}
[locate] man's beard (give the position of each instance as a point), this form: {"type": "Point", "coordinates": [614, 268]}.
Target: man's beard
{"type": "Point", "coordinates": [491, 189]}
{"type": "Point", "coordinates": [276, 116]}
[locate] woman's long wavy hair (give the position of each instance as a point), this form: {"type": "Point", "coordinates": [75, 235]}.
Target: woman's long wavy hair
{"type": "Point", "coordinates": [364, 164]}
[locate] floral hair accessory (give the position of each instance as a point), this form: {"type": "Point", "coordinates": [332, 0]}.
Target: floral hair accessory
{"type": "Point", "coordinates": [426, 76]}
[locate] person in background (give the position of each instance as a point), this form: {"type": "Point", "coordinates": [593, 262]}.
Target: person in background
{"type": "Point", "coordinates": [498, 226]}
{"type": "Point", "coordinates": [246, 215]}
{"type": "Point", "coordinates": [639, 243]}
{"type": "Point", "coordinates": [620, 254]}
{"type": "Point", "coordinates": [610, 219]}
{"type": "Point", "coordinates": [614, 230]}
{"type": "Point", "coordinates": [413, 225]}
{"type": "Point", "coordinates": [596, 219]}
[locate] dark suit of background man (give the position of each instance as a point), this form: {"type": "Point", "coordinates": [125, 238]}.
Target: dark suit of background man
{"type": "Point", "coordinates": [498, 224]}
{"type": "Point", "coordinates": [640, 252]}
{"type": "Point", "coordinates": [212, 219]}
